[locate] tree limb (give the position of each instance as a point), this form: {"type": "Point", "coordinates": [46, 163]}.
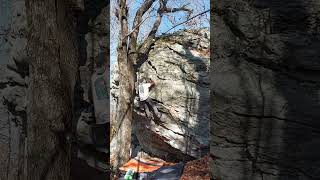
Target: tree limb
{"type": "Point", "coordinates": [141, 11]}
{"type": "Point", "coordinates": [138, 54]}
{"type": "Point", "coordinates": [137, 22]}
{"type": "Point", "coordinates": [123, 12]}
{"type": "Point", "coordinates": [183, 8]}
{"type": "Point", "coordinates": [138, 25]}
{"type": "Point", "coordinates": [162, 10]}
{"type": "Point", "coordinates": [146, 45]}
{"type": "Point", "coordinates": [186, 20]}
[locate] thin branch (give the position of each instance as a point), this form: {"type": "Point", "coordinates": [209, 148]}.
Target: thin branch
{"type": "Point", "coordinates": [149, 41]}
{"type": "Point", "coordinates": [156, 25]}
{"type": "Point", "coordinates": [138, 20]}
{"type": "Point", "coordinates": [163, 9]}
{"type": "Point", "coordinates": [186, 20]}
{"type": "Point", "coordinates": [145, 47]}
{"type": "Point", "coordinates": [141, 11]}
{"type": "Point", "coordinates": [123, 12]}
{"type": "Point", "coordinates": [173, 10]}
{"type": "Point", "coordinates": [138, 26]}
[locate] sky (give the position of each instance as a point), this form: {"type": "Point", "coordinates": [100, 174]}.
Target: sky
{"type": "Point", "coordinates": [198, 6]}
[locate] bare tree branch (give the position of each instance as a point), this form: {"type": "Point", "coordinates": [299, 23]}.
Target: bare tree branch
{"type": "Point", "coordinates": [157, 23]}
{"type": "Point", "coordinates": [123, 13]}
{"type": "Point", "coordinates": [183, 8]}
{"type": "Point", "coordinates": [144, 48]}
{"type": "Point", "coordinates": [137, 22]}
{"type": "Point", "coordinates": [138, 26]}
{"type": "Point", "coordinates": [186, 20]}
{"type": "Point", "coordinates": [141, 11]}
{"type": "Point", "coordinates": [146, 45]}
{"type": "Point", "coordinates": [149, 41]}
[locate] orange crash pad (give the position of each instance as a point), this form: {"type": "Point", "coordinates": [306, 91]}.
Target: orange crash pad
{"type": "Point", "coordinates": [142, 165]}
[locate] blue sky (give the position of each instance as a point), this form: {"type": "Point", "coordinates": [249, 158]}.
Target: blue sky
{"type": "Point", "coordinates": [197, 6]}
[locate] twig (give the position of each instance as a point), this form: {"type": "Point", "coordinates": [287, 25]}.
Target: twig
{"type": "Point", "coordinates": [137, 26]}
{"type": "Point", "coordinates": [186, 20]}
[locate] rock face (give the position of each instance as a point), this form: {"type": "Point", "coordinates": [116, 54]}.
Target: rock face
{"type": "Point", "coordinates": [179, 66]}
{"type": "Point", "coordinates": [80, 48]}
{"type": "Point", "coordinates": [14, 74]}
{"type": "Point", "coordinates": [265, 86]}
{"type": "Point", "coordinates": [93, 30]}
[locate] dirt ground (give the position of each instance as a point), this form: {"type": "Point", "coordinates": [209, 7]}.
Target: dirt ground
{"type": "Point", "coordinates": [197, 169]}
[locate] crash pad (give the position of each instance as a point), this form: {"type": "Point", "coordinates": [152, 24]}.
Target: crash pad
{"type": "Point", "coordinates": [141, 165]}
{"type": "Point", "coordinates": [167, 172]}
{"type": "Point", "coordinates": [173, 172]}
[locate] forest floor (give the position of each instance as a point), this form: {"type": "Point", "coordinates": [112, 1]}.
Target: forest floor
{"type": "Point", "coordinates": [197, 169]}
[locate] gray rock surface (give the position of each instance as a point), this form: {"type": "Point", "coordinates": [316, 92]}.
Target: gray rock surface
{"type": "Point", "coordinates": [14, 79]}
{"type": "Point", "coordinates": [13, 94]}
{"type": "Point", "coordinates": [94, 49]}
{"type": "Point", "coordinates": [94, 52]}
{"type": "Point", "coordinates": [265, 82]}
{"type": "Point", "coordinates": [179, 66]}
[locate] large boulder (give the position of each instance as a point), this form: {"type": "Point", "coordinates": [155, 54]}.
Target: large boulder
{"type": "Point", "coordinates": [265, 83]}
{"type": "Point", "coordinates": [179, 65]}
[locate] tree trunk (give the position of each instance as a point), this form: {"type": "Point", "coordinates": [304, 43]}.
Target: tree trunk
{"type": "Point", "coordinates": [124, 111]}
{"type": "Point", "coordinates": [53, 68]}
{"type": "Point", "coordinates": [121, 145]}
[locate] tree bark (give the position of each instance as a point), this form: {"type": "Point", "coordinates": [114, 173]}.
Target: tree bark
{"type": "Point", "coordinates": [126, 89]}
{"type": "Point", "coordinates": [53, 67]}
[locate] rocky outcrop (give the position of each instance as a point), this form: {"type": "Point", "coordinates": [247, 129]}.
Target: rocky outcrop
{"type": "Point", "coordinates": [14, 74]}
{"type": "Point", "coordinates": [74, 50]}
{"type": "Point", "coordinates": [75, 34]}
{"type": "Point", "coordinates": [179, 65]}
{"type": "Point", "coordinates": [265, 86]}
{"type": "Point", "coordinates": [93, 30]}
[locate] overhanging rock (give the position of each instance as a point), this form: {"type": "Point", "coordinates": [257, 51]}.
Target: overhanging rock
{"type": "Point", "coordinates": [179, 66]}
